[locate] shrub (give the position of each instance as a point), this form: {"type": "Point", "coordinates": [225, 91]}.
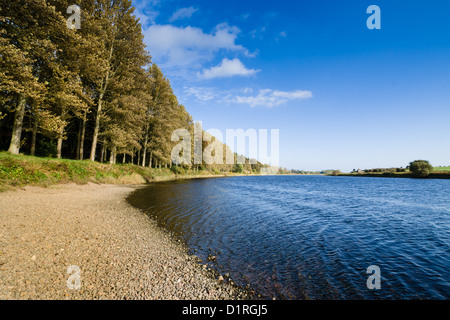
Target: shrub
{"type": "Point", "coordinates": [176, 170]}
{"type": "Point", "coordinates": [420, 168]}
{"type": "Point", "coordinates": [238, 168]}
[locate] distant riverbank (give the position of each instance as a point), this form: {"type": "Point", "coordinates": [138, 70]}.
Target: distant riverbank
{"type": "Point", "coordinates": [436, 175]}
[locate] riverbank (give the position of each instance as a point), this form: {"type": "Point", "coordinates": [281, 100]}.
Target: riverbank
{"type": "Point", "coordinates": [120, 252]}
{"type": "Point", "coordinates": [435, 175]}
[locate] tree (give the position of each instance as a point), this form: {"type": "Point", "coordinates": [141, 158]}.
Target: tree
{"type": "Point", "coordinates": [20, 34]}
{"type": "Point", "coordinates": [127, 95]}
{"type": "Point", "coordinates": [122, 52]}
{"type": "Point", "coordinates": [40, 54]}
{"type": "Point", "coordinates": [164, 116]}
{"type": "Point", "coordinates": [420, 168]}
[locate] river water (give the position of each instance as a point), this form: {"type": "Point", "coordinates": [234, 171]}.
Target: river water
{"type": "Point", "coordinates": [314, 237]}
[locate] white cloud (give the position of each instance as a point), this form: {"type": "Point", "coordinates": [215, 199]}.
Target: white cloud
{"type": "Point", "coordinates": [228, 68]}
{"type": "Point", "coordinates": [146, 11]}
{"type": "Point", "coordinates": [190, 46]}
{"type": "Point", "coordinates": [272, 98]}
{"type": "Point", "coordinates": [282, 35]}
{"type": "Point", "coordinates": [202, 94]}
{"type": "Point", "coordinates": [258, 32]}
{"type": "Point", "coordinates": [264, 98]}
{"type": "Point", "coordinates": [183, 13]}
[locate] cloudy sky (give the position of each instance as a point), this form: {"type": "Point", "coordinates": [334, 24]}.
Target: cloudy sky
{"type": "Point", "coordinates": [342, 96]}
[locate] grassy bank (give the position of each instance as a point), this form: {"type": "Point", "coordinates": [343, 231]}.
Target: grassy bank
{"type": "Point", "coordinates": [19, 170]}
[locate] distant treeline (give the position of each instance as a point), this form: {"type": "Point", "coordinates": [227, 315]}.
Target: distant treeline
{"type": "Point", "coordinates": [310, 172]}
{"type": "Point", "coordinates": [381, 170]}
{"type": "Point", "coordinates": [91, 93]}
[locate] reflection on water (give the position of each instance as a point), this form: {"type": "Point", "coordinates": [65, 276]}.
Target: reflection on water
{"type": "Point", "coordinates": [297, 237]}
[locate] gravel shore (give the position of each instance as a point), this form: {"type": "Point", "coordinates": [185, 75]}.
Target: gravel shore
{"type": "Point", "coordinates": [116, 251]}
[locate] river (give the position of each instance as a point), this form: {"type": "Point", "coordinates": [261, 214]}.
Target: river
{"type": "Point", "coordinates": [314, 237]}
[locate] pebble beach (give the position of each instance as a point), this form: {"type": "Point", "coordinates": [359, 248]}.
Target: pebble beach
{"type": "Point", "coordinates": [83, 242]}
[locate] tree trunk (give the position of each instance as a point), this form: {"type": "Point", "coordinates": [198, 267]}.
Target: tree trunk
{"type": "Point", "coordinates": [102, 155]}
{"type": "Point", "coordinates": [59, 148]}
{"type": "Point", "coordinates": [83, 135]}
{"type": "Point", "coordinates": [145, 147]}
{"type": "Point", "coordinates": [96, 128]}
{"type": "Point", "coordinates": [14, 147]}
{"type": "Point", "coordinates": [112, 157]}
{"type": "Point", "coordinates": [124, 158]}
{"type": "Point", "coordinates": [78, 143]}
{"type": "Point", "coordinates": [33, 137]}
{"type": "Point", "coordinates": [144, 157]}
{"type": "Point", "coordinates": [99, 108]}
{"type": "Point", "coordinates": [151, 159]}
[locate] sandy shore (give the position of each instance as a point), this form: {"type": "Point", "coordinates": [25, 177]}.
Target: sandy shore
{"type": "Point", "coordinates": [118, 252]}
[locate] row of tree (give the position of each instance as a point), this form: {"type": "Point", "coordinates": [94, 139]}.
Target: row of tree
{"type": "Point", "coordinates": [88, 93]}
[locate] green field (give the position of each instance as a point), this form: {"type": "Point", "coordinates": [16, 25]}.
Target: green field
{"type": "Point", "coordinates": [441, 169]}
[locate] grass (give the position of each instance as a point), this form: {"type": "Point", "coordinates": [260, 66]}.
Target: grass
{"type": "Point", "coordinates": [19, 170]}
{"type": "Point", "coordinates": [441, 169]}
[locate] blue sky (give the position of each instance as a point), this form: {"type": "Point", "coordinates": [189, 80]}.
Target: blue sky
{"type": "Point", "coordinates": [342, 96]}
